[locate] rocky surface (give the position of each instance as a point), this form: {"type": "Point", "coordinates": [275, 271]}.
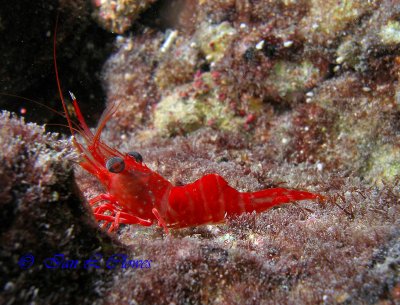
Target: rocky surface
{"type": "Point", "coordinates": [294, 93]}
{"type": "Point", "coordinates": [42, 215]}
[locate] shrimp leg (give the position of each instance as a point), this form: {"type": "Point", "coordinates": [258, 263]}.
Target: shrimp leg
{"type": "Point", "coordinates": [161, 221]}
{"type": "Point", "coordinates": [101, 197]}
{"type": "Point", "coordinates": [120, 216]}
{"type": "Point", "coordinates": [98, 211]}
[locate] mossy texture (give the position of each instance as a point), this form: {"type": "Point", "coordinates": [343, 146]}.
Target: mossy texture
{"type": "Point", "coordinates": [298, 94]}
{"type": "Point", "coordinates": [215, 39]}
{"type": "Point", "coordinates": [202, 103]}
{"type": "Point", "coordinates": [118, 16]}
{"type": "Point", "coordinates": [42, 214]}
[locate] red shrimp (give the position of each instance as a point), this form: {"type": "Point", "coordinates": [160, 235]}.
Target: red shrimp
{"type": "Point", "coordinates": [137, 195]}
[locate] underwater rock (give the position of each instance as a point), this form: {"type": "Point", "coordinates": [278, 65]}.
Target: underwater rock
{"type": "Point", "coordinates": [299, 94]}
{"type": "Point", "coordinates": [42, 216]}
{"type": "Point", "coordinates": [201, 103]}
{"type": "Point", "coordinates": [179, 61]}
{"type": "Point", "coordinates": [213, 39]}
{"type": "Point", "coordinates": [128, 79]}
{"type": "Point", "coordinates": [117, 16]}
{"type": "Point", "coordinates": [297, 254]}
{"type": "Point", "coordinates": [288, 80]}
{"type": "Point", "coordinates": [326, 20]}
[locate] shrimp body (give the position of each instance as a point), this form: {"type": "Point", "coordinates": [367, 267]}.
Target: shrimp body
{"type": "Point", "coordinates": [137, 195]}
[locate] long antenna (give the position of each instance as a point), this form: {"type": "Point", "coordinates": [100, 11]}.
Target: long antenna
{"type": "Point", "coordinates": [58, 79]}
{"type": "Point", "coordinates": [33, 101]}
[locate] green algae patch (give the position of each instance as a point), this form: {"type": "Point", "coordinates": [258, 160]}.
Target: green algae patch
{"type": "Point", "coordinates": [390, 33]}
{"type": "Point", "coordinates": [348, 53]}
{"type": "Point", "coordinates": [213, 39]}
{"type": "Point", "coordinates": [118, 16]}
{"type": "Point", "coordinates": [201, 103]}
{"type": "Point", "coordinates": [288, 78]}
{"type": "Point", "coordinates": [328, 17]}
{"type": "Point", "coordinates": [174, 114]}
{"type": "Point", "coordinates": [384, 165]}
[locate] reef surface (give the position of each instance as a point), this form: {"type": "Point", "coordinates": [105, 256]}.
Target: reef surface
{"type": "Point", "coordinates": [301, 94]}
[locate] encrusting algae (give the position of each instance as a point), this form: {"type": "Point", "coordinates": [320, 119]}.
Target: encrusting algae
{"type": "Point", "coordinates": [297, 94]}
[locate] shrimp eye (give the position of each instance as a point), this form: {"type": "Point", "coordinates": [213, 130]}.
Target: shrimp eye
{"type": "Point", "coordinates": [138, 157]}
{"type": "Point", "coordinates": [115, 165]}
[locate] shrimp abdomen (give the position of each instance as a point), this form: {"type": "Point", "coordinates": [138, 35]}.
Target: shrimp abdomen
{"type": "Point", "coordinates": [204, 201]}
{"type": "Point", "coordinates": [210, 199]}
